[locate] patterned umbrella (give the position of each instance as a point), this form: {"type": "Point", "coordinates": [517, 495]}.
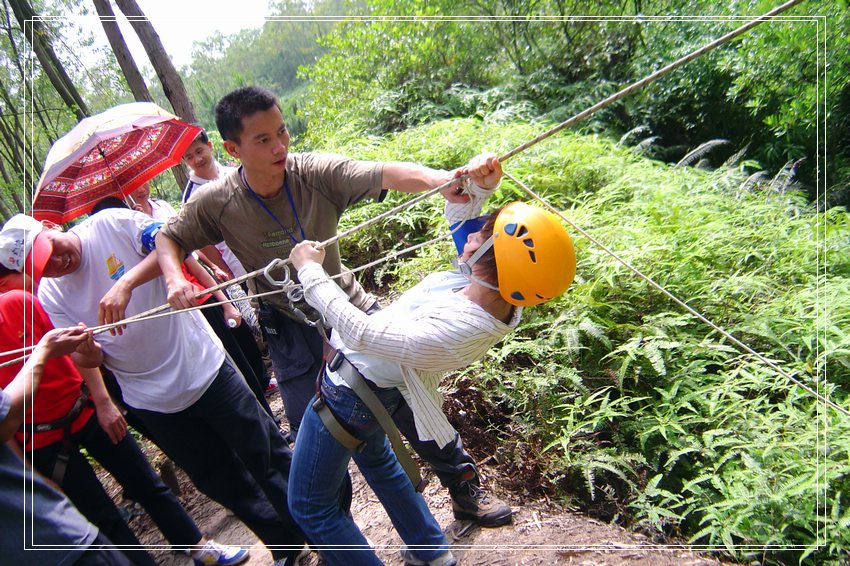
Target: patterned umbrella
{"type": "Point", "coordinates": [109, 154]}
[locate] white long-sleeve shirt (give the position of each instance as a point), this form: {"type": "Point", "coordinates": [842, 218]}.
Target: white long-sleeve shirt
{"type": "Point", "coordinates": [429, 330]}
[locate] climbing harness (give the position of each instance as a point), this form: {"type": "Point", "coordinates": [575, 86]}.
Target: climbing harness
{"type": "Point", "coordinates": [361, 387]}
{"type": "Point", "coordinates": [64, 423]}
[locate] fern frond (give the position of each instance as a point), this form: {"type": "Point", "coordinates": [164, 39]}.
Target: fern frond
{"type": "Point", "coordinates": [791, 178]}
{"type": "Point", "coordinates": [785, 176]}
{"type": "Point", "coordinates": [644, 144]}
{"type": "Point", "coordinates": [702, 150]}
{"type": "Point", "coordinates": [751, 181]}
{"type": "Point", "coordinates": [733, 159]}
{"type": "Point", "coordinates": [642, 129]}
{"type": "Point", "coordinates": [589, 328]}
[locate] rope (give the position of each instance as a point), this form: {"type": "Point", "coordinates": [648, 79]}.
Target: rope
{"type": "Point", "coordinates": [280, 263]}
{"type": "Point", "coordinates": [136, 318]}
{"type": "Point", "coordinates": [160, 312]}
{"type": "Point", "coordinates": [742, 346]}
{"type": "Point", "coordinates": [650, 78]}
{"type": "Point", "coordinates": [583, 114]}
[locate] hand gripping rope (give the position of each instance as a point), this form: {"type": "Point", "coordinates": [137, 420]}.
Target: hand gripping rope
{"type": "Point", "coordinates": [295, 294]}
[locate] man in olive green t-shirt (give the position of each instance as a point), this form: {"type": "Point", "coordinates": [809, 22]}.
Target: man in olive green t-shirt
{"type": "Point", "coordinates": [261, 210]}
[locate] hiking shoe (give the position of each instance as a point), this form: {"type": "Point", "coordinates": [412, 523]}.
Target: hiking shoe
{"type": "Point", "coordinates": [294, 560]}
{"type": "Point", "coordinates": [471, 502]}
{"type": "Point", "coordinates": [219, 554]}
{"type": "Point", "coordinates": [445, 559]}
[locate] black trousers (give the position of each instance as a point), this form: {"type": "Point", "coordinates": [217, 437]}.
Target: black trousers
{"type": "Point", "coordinates": [234, 453]}
{"type": "Point", "coordinates": [129, 466]}
{"type": "Point", "coordinates": [242, 349]}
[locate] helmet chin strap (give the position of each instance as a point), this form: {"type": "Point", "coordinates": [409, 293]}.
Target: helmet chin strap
{"type": "Point", "coordinates": [465, 267]}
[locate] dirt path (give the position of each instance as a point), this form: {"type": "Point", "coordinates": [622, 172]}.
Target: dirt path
{"type": "Point", "coordinates": [541, 533]}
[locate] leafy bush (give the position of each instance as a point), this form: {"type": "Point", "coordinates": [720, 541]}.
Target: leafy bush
{"type": "Point", "coordinates": [635, 408]}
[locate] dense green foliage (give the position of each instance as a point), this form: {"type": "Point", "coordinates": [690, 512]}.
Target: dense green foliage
{"type": "Point", "coordinates": [637, 408]}
{"type": "Point", "coordinates": [269, 56]}
{"type": "Point", "coordinates": [634, 408]}
{"type": "Point", "coordinates": [382, 75]}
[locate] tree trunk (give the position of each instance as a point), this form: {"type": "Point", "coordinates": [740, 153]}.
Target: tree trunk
{"type": "Point", "coordinates": [16, 59]}
{"type": "Point", "coordinates": [172, 84]}
{"type": "Point", "coordinates": [122, 52]}
{"type": "Point", "coordinates": [37, 36]}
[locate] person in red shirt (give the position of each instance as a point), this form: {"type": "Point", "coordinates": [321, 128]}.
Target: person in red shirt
{"type": "Point", "coordinates": [62, 418]}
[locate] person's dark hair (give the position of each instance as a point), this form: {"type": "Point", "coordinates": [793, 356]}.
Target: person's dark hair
{"type": "Point", "coordinates": [108, 202]}
{"type": "Point", "coordinates": [4, 271]}
{"type": "Point", "coordinates": [202, 136]}
{"type": "Point", "coordinates": [487, 263]}
{"type": "Point", "coordinates": [238, 104]}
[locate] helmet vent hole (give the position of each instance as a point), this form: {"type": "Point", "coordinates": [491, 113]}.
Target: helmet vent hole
{"type": "Point", "coordinates": [528, 242]}
{"type": "Point", "coordinates": [522, 232]}
{"type": "Point", "coordinates": [518, 296]}
{"type": "Point", "coordinates": [532, 256]}
{"type": "Point", "coordinates": [510, 229]}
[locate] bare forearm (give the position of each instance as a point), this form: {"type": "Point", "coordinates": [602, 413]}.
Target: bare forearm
{"type": "Point", "coordinates": [214, 257]}
{"type": "Point", "coordinates": [170, 255]}
{"type": "Point", "coordinates": [90, 359]}
{"type": "Point", "coordinates": [146, 270]}
{"type": "Point", "coordinates": [204, 278]}
{"type": "Point", "coordinates": [94, 382]}
{"type": "Point", "coordinates": [413, 178]}
{"type": "Point", "coordinates": [21, 392]}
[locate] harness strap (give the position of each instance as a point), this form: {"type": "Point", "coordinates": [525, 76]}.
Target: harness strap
{"type": "Point", "coordinates": [65, 423]}
{"type": "Point", "coordinates": [62, 458]}
{"type": "Point", "coordinates": [62, 422]}
{"type": "Point", "coordinates": [335, 427]}
{"type": "Point", "coordinates": [355, 380]}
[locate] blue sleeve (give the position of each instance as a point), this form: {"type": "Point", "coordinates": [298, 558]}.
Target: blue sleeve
{"type": "Point", "coordinates": [149, 233]}
{"type": "Point", "coordinates": [461, 230]}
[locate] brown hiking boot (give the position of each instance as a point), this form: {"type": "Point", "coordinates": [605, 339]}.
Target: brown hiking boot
{"type": "Point", "coordinates": [471, 502]}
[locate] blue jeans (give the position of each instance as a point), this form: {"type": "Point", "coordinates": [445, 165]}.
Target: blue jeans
{"type": "Point", "coordinates": [317, 476]}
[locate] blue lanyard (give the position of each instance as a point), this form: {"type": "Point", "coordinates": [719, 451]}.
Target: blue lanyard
{"type": "Point", "coordinates": [272, 214]}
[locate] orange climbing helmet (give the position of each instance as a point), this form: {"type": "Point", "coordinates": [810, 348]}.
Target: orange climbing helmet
{"type": "Point", "coordinates": [535, 258]}
{"type": "Point", "coordinates": [534, 255]}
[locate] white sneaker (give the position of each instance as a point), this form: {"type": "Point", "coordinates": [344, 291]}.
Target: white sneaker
{"type": "Point", "coordinates": [219, 554]}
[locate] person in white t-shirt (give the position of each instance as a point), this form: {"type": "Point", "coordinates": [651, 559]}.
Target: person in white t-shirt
{"type": "Point", "coordinates": [201, 161]}
{"type": "Point", "coordinates": [154, 207]}
{"type": "Point", "coordinates": [172, 371]}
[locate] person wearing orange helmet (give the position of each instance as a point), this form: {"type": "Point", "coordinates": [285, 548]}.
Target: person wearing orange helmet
{"type": "Point", "coordinates": [517, 256]}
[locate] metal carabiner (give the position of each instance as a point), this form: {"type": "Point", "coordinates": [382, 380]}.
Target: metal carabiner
{"type": "Point", "coordinates": [295, 294]}
{"type": "Point", "coordinates": [277, 264]}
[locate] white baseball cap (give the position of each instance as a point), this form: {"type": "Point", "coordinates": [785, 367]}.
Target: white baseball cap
{"type": "Point", "coordinates": [23, 246]}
